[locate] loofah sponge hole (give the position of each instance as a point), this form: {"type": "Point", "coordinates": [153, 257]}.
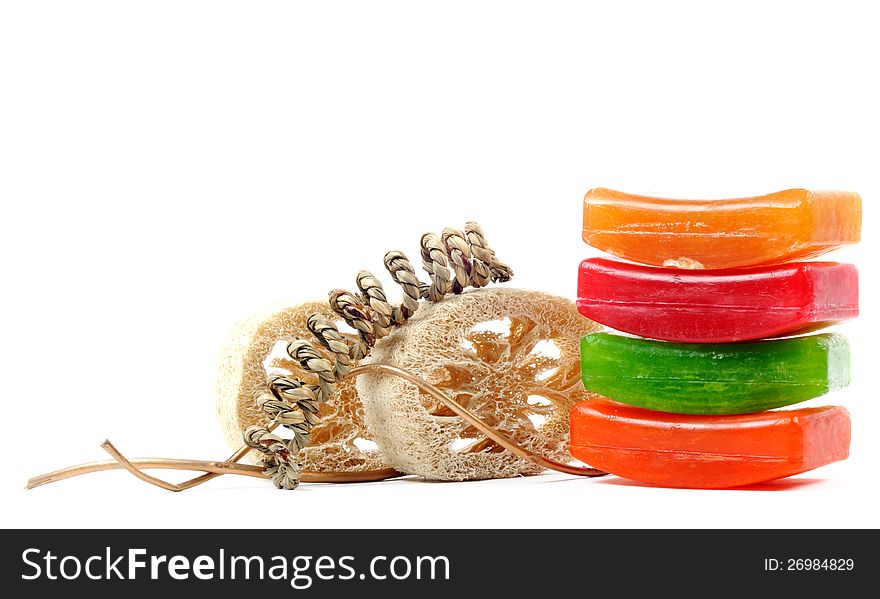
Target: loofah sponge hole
{"type": "Point", "coordinates": [511, 356]}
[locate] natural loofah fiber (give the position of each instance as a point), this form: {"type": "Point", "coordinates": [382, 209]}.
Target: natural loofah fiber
{"type": "Point", "coordinates": [244, 360]}
{"type": "Point", "coordinates": [511, 356]}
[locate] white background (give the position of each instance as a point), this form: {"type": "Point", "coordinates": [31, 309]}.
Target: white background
{"type": "Point", "coordinates": [168, 168]}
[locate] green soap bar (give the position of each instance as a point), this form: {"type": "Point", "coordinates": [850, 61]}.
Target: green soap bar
{"type": "Point", "coordinates": [714, 378]}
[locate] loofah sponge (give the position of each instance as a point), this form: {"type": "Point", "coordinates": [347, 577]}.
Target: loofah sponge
{"type": "Point", "coordinates": [340, 442]}
{"type": "Point", "coordinates": [511, 356]}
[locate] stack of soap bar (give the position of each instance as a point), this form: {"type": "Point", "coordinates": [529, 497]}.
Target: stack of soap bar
{"type": "Point", "coordinates": [687, 407]}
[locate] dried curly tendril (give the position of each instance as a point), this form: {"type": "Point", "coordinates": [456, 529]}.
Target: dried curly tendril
{"type": "Point", "coordinates": [455, 261]}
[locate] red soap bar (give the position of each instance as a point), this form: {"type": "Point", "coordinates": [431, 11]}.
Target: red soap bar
{"type": "Point", "coordinates": [717, 306]}
{"type": "Point", "coordinates": [706, 452]}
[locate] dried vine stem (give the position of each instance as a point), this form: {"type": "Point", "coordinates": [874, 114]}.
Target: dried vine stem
{"type": "Point", "coordinates": [455, 261]}
{"type": "Point", "coordinates": [215, 469]}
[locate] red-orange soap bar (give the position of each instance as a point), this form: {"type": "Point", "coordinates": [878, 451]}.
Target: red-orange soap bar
{"type": "Point", "coordinates": [706, 452]}
{"type": "Point", "coordinates": [714, 234]}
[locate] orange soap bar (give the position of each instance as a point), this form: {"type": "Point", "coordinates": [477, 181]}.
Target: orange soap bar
{"type": "Point", "coordinates": [774, 228]}
{"type": "Point", "coordinates": [706, 452]}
